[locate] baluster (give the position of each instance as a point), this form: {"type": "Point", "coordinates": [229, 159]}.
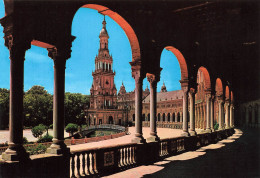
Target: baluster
{"type": "Point", "coordinates": [78, 165]}
{"type": "Point", "coordinates": [121, 157]}
{"type": "Point", "coordinates": [95, 163]}
{"type": "Point", "coordinates": [130, 155]}
{"type": "Point", "coordinates": [124, 156]}
{"type": "Point", "coordinates": [92, 163]}
{"type": "Point", "coordinates": [127, 155]}
{"type": "Point", "coordinates": [134, 155]}
{"type": "Point", "coordinates": [72, 169]}
{"type": "Point", "coordinates": [83, 164]}
{"type": "Point", "coordinates": [87, 164]}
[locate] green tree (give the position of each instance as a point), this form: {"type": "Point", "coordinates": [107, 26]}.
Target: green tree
{"type": "Point", "coordinates": [38, 130]}
{"type": "Point", "coordinates": [4, 107]}
{"type": "Point", "coordinates": [37, 107]}
{"type": "Point", "coordinates": [75, 104]}
{"type": "Point", "coordinates": [71, 128]}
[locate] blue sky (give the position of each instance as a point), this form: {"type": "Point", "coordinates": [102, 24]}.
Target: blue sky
{"type": "Point", "coordinates": [86, 26]}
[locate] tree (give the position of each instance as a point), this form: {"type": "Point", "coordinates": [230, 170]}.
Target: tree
{"type": "Point", "coordinates": [37, 131]}
{"type": "Point", "coordinates": [71, 128]}
{"type": "Point", "coordinates": [74, 108]}
{"type": "Point", "coordinates": [37, 106]}
{"type": "Point", "coordinates": [4, 107]}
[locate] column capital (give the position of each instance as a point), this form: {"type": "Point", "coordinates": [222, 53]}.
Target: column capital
{"type": "Point", "coordinates": [192, 91]}
{"type": "Point", "coordinates": [184, 84]}
{"type": "Point", "coordinates": [152, 78]}
{"type": "Point", "coordinates": [137, 73]}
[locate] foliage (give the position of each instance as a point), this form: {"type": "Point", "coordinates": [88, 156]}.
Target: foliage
{"type": "Point", "coordinates": [83, 126]}
{"type": "Point", "coordinates": [25, 140]}
{"type": "Point", "coordinates": [37, 106]}
{"type": "Point", "coordinates": [75, 104]}
{"type": "Point", "coordinates": [4, 107]}
{"type": "Point", "coordinates": [71, 128]}
{"type": "Point", "coordinates": [39, 149]}
{"type": "Point", "coordinates": [37, 131]}
{"type": "Point", "coordinates": [216, 126]}
{"type": "Point", "coordinates": [45, 138]}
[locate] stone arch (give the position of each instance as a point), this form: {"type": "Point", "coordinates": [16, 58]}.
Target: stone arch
{"type": "Point", "coordinates": [219, 87]}
{"type": "Point", "coordinates": [181, 60]}
{"type": "Point", "coordinates": [130, 33]}
{"type": "Point", "coordinates": [227, 95]}
{"type": "Point", "coordinates": [206, 77]}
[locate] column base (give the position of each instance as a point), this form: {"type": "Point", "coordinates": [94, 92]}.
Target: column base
{"type": "Point", "coordinates": [15, 153]}
{"type": "Point", "coordinates": [193, 133]}
{"type": "Point", "coordinates": [139, 140]}
{"type": "Point", "coordinates": [153, 138]}
{"type": "Point", "coordinates": [185, 134]}
{"type": "Point", "coordinates": [58, 148]}
{"type": "Point", "coordinates": [208, 131]}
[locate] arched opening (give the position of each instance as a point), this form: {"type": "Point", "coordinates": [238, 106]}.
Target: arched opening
{"type": "Point", "coordinates": [133, 118]}
{"type": "Point", "coordinates": [227, 94]}
{"type": "Point", "coordinates": [203, 88]}
{"type": "Point", "coordinates": [159, 117]}
{"type": "Point", "coordinates": [110, 120]}
{"type": "Point", "coordinates": [173, 116]}
{"type": "Point", "coordinates": [219, 95]}
{"type": "Point", "coordinates": [168, 117]}
{"type": "Point", "coordinates": [163, 119]}
{"type": "Point", "coordinates": [178, 117]}
{"type": "Point", "coordinates": [148, 117]}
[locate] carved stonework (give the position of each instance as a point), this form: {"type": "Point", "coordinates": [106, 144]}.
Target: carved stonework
{"type": "Point", "coordinates": [109, 158]}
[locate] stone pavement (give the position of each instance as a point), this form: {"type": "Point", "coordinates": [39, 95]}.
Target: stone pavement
{"type": "Point", "coordinates": [162, 133]}
{"type": "Point", "coordinates": [236, 156]}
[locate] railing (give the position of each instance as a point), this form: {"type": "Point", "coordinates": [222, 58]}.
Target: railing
{"type": "Point", "coordinates": [106, 160]}
{"type": "Point", "coordinates": [98, 161]}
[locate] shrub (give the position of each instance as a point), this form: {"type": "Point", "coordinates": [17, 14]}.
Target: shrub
{"type": "Point", "coordinates": [25, 140]}
{"type": "Point", "coordinates": [216, 126]}
{"type": "Point", "coordinates": [71, 128]}
{"type": "Point", "coordinates": [39, 149]}
{"type": "Point", "coordinates": [45, 138]}
{"type": "Point", "coordinates": [37, 131]}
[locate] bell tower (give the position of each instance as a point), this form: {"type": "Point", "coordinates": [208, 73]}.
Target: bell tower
{"type": "Point", "coordinates": [103, 91]}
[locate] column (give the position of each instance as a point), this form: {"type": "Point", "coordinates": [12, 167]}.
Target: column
{"type": "Point", "coordinates": [176, 115]}
{"type": "Point", "coordinates": [171, 117]}
{"type": "Point", "coordinates": [192, 112]}
{"type": "Point", "coordinates": [231, 115]}
{"type": "Point", "coordinates": [227, 114]}
{"type": "Point", "coordinates": [185, 112]}
{"type": "Point", "coordinates": [59, 58]}
{"type": "Point", "coordinates": [16, 151]}
{"type": "Point", "coordinates": [220, 115]}
{"type": "Point", "coordinates": [136, 73]}
{"type": "Point", "coordinates": [153, 96]}
{"type": "Point", "coordinates": [212, 113]}
{"type": "Point", "coordinates": [208, 101]}
{"type": "Point", "coordinates": [181, 115]}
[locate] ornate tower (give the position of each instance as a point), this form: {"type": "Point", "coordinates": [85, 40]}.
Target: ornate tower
{"type": "Point", "coordinates": [103, 91]}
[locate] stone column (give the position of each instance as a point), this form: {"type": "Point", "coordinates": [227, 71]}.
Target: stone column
{"type": "Point", "coordinates": [17, 49]}
{"type": "Point", "coordinates": [231, 115]}
{"type": "Point", "coordinates": [192, 112]}
{"type": "Point", "coordinates": [136, 73]}
{"type": "Point", "coordinates": [212, 113]}
{"type": "Point", "coordinates": [185, 111]}
{"type": "Point", "coordinates": [181, 116]}
{"type": "Point", "coordinates": [227, 114]}
{"type": "Point", "coordinates": [153, 96]}
{"type": "Point", "coordinates": [208, 101]}
{"type": "Point", "coordinates": [171, 117]}
{"type": "Point", "coordinates": [220, 115]}
{"type": "Point", "coordinates": [59, 57]}
{"type": "Point", "coordinates": [176, 117]}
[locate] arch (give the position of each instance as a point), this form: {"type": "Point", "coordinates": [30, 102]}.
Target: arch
{"type": "Point", "coordinates": [159, 117]}
{"type": "Point", "coordinates": [173, 117]}
{"type": "Point", "coordinates": [182, 61]}
{"type": "Point", "coordinates": [178, 117]}
{"type": "Point", "coordinates": [219, 87]}
{"type": "Point", "coordinates": [231, 96]}
{"type": "Point", "coordinates": [110, 120]}
{"type": "Point", "coordinates": [206, 77]}
{"type": "Point", "coordinates": [130, 33]}
{"type": "Point", "coordinates": [227, 93]}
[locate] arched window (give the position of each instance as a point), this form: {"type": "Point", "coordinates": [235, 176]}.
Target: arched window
{"type": "Point", "coordinates": [148, 117]}
{"type": "Point", "coordinates": [133, 117]}
{"type": "Point", "coordinates": [178, 117]}
{"type": "Point", "coordinates": [159, 117]}
{"type": "Point", "coordinates": [163, 119]}
{"type": "Point", "coordinates": [173, 117]}
{"type": "Point", "coordinates": [169, 117]}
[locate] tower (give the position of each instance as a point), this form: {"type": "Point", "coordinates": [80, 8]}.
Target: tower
{"type": "Point", "coordinates": [103, 91]}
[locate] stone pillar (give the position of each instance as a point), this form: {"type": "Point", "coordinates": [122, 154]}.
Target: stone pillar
{"type": "Point", "coordinates": [208, 101]}
{"type": "Point", "coordinates": [221, 113]}
{"type": "Point", "coordinates": [136, 73]}
{"type": "Point", "coordinates": [181, 116]}
{"type": "Point", "coordinates": [17, 49]}
{"type": "Point", "coordinates": [192, 112]}
{"type": "Point", "coordinates": [185, 111]}
{"type": "Point", "coordinates": [153, 96]}
{"type": "Point", "coordinates": [231, 115]}
{"type": "Point", "coordinates": [59, 57]}
{"type": "Point", "coordinates": [176, 117]}
{"type": "Point", "coordinates": [212, 113]}
{"type": "Point", "coordinates": [227, 114]}
{"type": "Point", "coordinates": [171, 117]}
